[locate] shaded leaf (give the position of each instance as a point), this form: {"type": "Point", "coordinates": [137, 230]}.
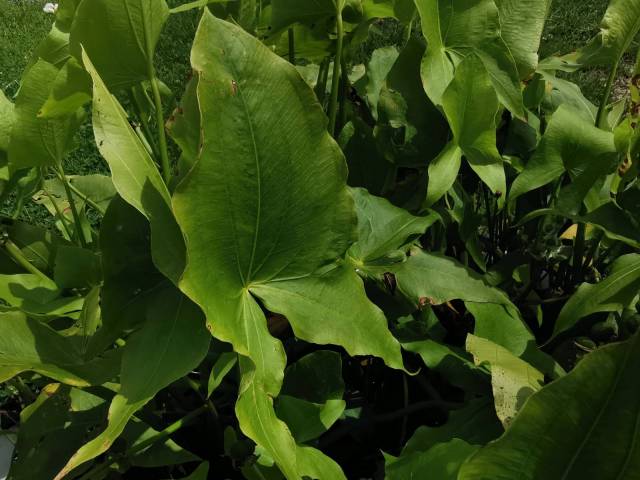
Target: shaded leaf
{"type": "Point", "coordinates": [613, 293]}
{"type": "Point", "coordinates": [581, 426]}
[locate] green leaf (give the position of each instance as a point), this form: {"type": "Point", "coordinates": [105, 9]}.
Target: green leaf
{"type": "Point", "coordinates": [316, 377]}
{"type": "Point", "coordinates": [171, 343]}
{"type": "Point", "coordinates": [441, 461]}
{"type": "Point", "coordinates": [6, 125]}
{"type": "Point", "coordinates": [452, 363]}
{"type": "Point", "coordinates": [502, 325]}
{"type": "Point", "coordinates": [435, 279]}
{"type": "Point", "coordinates": [581, 426]}
{"type": "Point", "coordinates": [569, 144]}
{"type": "Point", "coordinates": [58, 422]}
{"type": "Point", "coordinates": [620, 25]}
{"type": "Point", "coordinates": [135, 175]}
{"type": "Point", "coordinates": [130, 278]}
{"type": "Point", "coordinates": [130, 27]}
{"type": "Point", "coordinates": [185, 7]}
{"type": "Point", "coordinates": [28, 345]}
{"type": "Point", "coordinates": [77, 267]}
{"type": "Point", "coordinates": [521, 26]}
{"type": "Point", "coordinates": [62, 419]}
{"type": "Point", "coordinates": [159, 454]}
{"type": "Point", "coordinates": [384, 230]}
{"type": "Point", "coordinates": [513, 380]}
{"type": "Point", "coordinates": [443, 171]}
{"type": "Point", "coordinates": [458, 28]}
{"type": "Point", "coordinates": [471, 106]}
{"type": "Point", "coordinates": [37, 244]}
{"type": "Point", "coordinates": [71, 89]}
{"type": "Point", "coordinates": [225, 362]}
{"type": "Point", "coordinates": [287, 12]}
{"type": "Point", "coordinates": [617, 223]}
{"type": "Point", "coordinates": [559, 91]}
{"type": "Point", "coordinates": [332, 308]}
{"type": "Point", "coordinates": [36, 296]}
{"type": "Point", "coordinates": [476, 423]}
{"type": "Point", "coordinates": [38, 141]}
{"type": "Point", "coordinates": [311, 397]}
{"type": "Point", "coordinates": [613, 293]}
{"type": "Point", "coordinates": [308, 420]}
{"type": "Point", "coordinates": [184, 127]}
{"type": "Point", "coordinates": [262, 239]}
{"type": "Point", "coordinates": [378, 67]}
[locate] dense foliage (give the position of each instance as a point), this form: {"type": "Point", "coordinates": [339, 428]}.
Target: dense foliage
{"type": "Point", "coordinates": [423, 266]}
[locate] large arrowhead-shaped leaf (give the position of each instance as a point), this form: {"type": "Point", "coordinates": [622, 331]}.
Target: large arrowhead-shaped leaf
{"type": "Point", "coordinates": [426, 278]}
{"type": "Point", "coordinates": [171, 343]}
{"type": "Point", "coordinates": [135, 175]}
{"type": "Point", "coordinates": [471, 106]}
{"type": "Point", "coordinates": [584, 425]}
{"type": "Point", "coordinates": [521, 25]}
{"type": "Point", "coordinates": [246, 234]}
{"type": "Point", "coordinates": [130, 27]}
{"type": "Point", "coordinates": [570, 144]}
{"type": "Point", "coordinates": [457, 28]}
{"type": "Point", "coordinates": [613, 293]}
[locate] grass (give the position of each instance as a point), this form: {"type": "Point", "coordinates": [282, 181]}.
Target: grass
{"type": "Point", "coordinates": [571, 24]}
{"type": "Point", "coordinates": [23, 24]}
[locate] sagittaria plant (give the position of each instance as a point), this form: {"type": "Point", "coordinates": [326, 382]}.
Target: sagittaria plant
{"type": "Point", "coordinates": [422, 265]}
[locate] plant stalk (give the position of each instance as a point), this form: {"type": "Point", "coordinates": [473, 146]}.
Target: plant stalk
{"type": "Point", "coordinates": [146, 130]}
{"type": "Point", "coordinates": [321, 84]}
{"type": "Point", "coordinates": [16, 254]}
{"type": "Point", "coordinates": [335, 81]}
{"type": "Point", "coordinates": [63, 219]}
{"type": "Point", "coordinates": [607, 93]}
{"type": "Point", "coordinates": [162, 136]}
{"type": "Point", "coordinates": [87, 200]}
{"type": "Point", "coordinates": [79, 234]}
{"type": "Point", "coordinates": [578, 253]}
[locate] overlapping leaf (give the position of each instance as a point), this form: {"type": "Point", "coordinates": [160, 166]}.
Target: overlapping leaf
{"type": "Point", "coordinates": [262, 239]}
{"type": "Point", "coordinates": [581, 426]}
{"type": "Point", "coordinates": [455, 29]}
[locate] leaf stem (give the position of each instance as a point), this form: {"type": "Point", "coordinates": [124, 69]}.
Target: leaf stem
{"type": "Point", "coordinates": [86, 199]}
{"type": "Point", "coordinates": [335, 81]}
{"type": "Point", "coordinates": [63, 219]}
{"type": "Point", "coordinates": [162, 136]}
{"type": "Point", "coordinates": [79, 234]}
{"type": "Point", "coordinates": [144, 122]}
{"type": "Point", "coordinates": [16, 254]}
{"type": "Point", "coordinates": [607, 93]}
{"type": "Point", "coordinates": [321, 84]}
{"type": "Point", "coordinates": [578, 253]}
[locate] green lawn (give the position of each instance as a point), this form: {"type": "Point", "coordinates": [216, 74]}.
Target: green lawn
{"type": "Point", "coordinates": [570, 25]}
